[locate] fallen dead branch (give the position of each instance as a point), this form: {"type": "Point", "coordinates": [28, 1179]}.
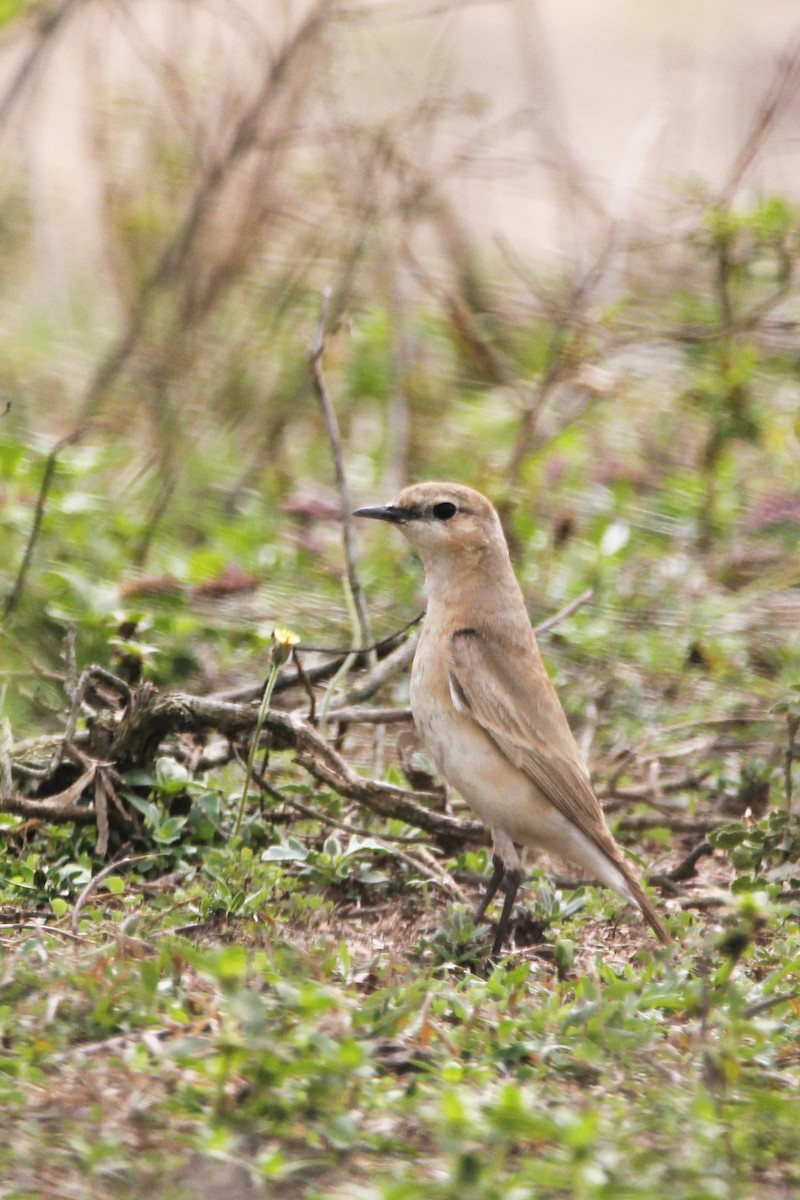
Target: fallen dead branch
{"type": "Point", "coordinates": [613, 796]}
{"type": "Point", "coordinates": [43, 810]}
{"type": "Point", "coordinates": [677, 822]}
{"type": "Point", "coordinates": [154, 717]}
{"type": "Point", "coordinates": [352, 715]}
{"type": "Point", "coordinates": [135, 726]}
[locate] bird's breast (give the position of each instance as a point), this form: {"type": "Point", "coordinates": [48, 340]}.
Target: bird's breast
{"type": "Point", "coordinates": [497, 791]}
{"type": "Point", "coordinates": [461, 751]}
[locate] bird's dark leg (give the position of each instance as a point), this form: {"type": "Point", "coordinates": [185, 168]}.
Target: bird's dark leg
{"type": "Point", "coordinates": [513, 880]}
{"type": "Point", "coordinates": [491, 890]}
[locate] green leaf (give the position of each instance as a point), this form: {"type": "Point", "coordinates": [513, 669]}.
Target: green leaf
{"type": "Point", "coordinates": [728, 836]}
{"type": "Point", "coordinates": [149, 811]}
{"type": "Point", "coordinates": [171, 776]}
{"type": "Point", "coordinates": [169, 830]}
{"type": "Point", "coordinates": [291, 850]}
{"type": "Point", "coordinates": [228, 964]}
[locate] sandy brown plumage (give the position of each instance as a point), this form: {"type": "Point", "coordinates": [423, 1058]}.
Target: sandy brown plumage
{"type": "Point", "coordinates": [499, 702]}
{"type": "Point", "coordinates": [484, 704]}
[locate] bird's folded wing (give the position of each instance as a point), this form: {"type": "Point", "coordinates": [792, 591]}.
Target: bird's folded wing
{"type": "Point", "coordinates": [519, 710]}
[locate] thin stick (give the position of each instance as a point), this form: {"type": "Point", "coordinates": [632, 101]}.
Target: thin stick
{"type": "Point", "coordinates": [290, 679]}
{"type": "Point", "coordinates": [344, 669]}
{"type": "Point", "coordinates": [779, 95]}
{"type": "Point", "coordinates": [755, 1010]}
{"type": "Point", "coordinates": [307, 684]}
{"type": "Point", "coordinates": [98, 878]}
{"type": "Point", "coordinates": [48, 26]}
{"type": "Point", "coordinates": [379, 645]}
{"type": "Point", "coordinates": [686, 868]}
{"type": "Point", "coordinates": [12, 599]}
{"type": "Point", "coordinates": [22, 925]}
{"type": "Point", "coordinates": [641, 822]}
{"type": "Point", "coordinates": [563, 613]}
{"type": "Point", "coordinates": [381, 673]}
{"type": "Point", "coordinates": [364, 632]}
{"type": "Point", "coordinates": [352, 715]}
{"type": "Point", "coordinates": [323, 818]}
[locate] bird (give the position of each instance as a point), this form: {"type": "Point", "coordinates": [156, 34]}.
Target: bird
{"type": "Point", "coordinates": [485, 708]}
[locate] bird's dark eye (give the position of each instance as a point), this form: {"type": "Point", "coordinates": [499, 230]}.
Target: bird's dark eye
{"type": "Point", "coordinates": [444, 511]}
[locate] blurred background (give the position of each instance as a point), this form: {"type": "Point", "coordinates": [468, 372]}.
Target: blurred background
{"type": "Point", "coordinates": [561, 241]}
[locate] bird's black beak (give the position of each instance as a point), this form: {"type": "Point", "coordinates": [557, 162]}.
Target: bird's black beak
{"type": "Point", "coordinates": [386, 512]}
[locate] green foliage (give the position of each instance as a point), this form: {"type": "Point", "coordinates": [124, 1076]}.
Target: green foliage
{"type": "Point", "coordinates": [412, 1082]}
{"type": "Point", "coordinates": [766, 855]}
{"type": "Point", "coordinates": [297, 1003]}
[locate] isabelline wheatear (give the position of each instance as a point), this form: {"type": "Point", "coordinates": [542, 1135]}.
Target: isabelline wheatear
{"type": "Point", "coordinates": [484, 705]}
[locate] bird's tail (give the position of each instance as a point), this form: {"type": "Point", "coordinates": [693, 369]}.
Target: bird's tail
{"type": "Point", "coordinates": [637, 895]}
{"type": "Point", "coordinates": [603, 857]}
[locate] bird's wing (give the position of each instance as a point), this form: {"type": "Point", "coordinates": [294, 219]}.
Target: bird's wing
{"type": "Point", "coordinates": [508, 693]}
{"type": "Point", "coordinates": [513, 701]}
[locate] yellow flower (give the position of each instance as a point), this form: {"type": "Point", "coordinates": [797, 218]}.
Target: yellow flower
{"type": "Point", "coordinates": [282, 642]}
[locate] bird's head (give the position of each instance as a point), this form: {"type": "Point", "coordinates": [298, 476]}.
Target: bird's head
{"type": "Point", "coordinates": [444, 522]}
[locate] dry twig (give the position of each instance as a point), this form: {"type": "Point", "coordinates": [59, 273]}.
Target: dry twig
{"type": "Point", "coordinates": [13, 597]}
{"type": "Point", "coordinates": [98, 879]}
{"type": "Point", "coordinates": [50, 22]}
{"type": "Point", "coordinates": [314, 814]}
{"type": "Point", "coordinates": [36, 927]}
{"type": "Point", "coordinates": [778, 97]}
{"type": "Point", "coordinates": [364, 631]}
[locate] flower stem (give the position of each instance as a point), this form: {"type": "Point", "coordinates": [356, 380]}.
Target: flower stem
{"type": "Point", "coordinates": [251, 758]}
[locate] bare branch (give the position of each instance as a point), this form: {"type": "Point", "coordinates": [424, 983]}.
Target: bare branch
{"type": "Point", "coordinates": [381, 644]}
{"type": "Point", "coordinates": [152, 717]}
{"type": "Point", "coordinates": [779, 95]}
{"type": "Point", "coordinates": [40, 810]}
{"type": "Point", "coordinates": [364, 632]}
{"type": "Point", "coordinates": [679, 823]}
{"type": "Point", "coordinates": [49, 25]}
{"type": "Point", "coordinates": [371, 716]}
{"type": "Point", "coordinates": [173, 258]}
{"type": "Point", "coordinates": [687, 867]}
{"type": "Point", "coordinates": [394, 664]}
{"type": "Point", "coordinates": [12, 599]}
{"type": "Point", "coordinates": [563, 613]}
